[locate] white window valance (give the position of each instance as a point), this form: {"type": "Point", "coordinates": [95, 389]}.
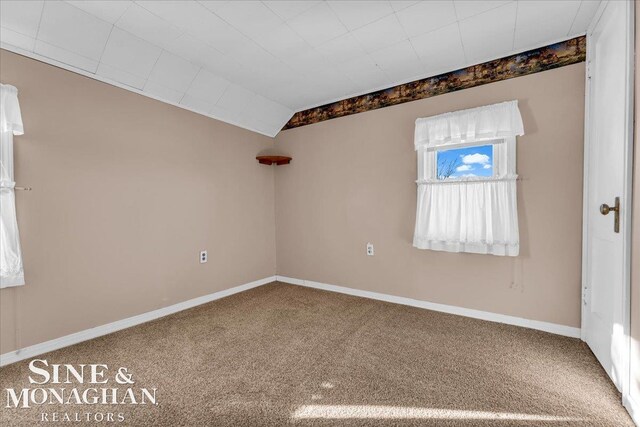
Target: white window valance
{"type": "Point", "coordinates": [489, 122]}
{"type": "Point", "coordinates": [11, 270]}
{"type": "Point", "coordinates": [469, 214]}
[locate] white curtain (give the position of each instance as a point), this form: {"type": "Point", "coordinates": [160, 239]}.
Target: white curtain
{"type": "Point", "coordinates": [483, 123]}
{"type": "Point", "coordinates": [11, 270]}
{"type": "Point", "coordinates": [477, 215]}
{"type": "Point", "coordinates": [471, 216]}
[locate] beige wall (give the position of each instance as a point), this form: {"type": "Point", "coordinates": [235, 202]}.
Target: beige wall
{"type": "Point", "coordinates": [126, 192]}
{"type": "Point", "coordinates": [634, 390]}
{"type": "Point", "coordinates": [351, 181]}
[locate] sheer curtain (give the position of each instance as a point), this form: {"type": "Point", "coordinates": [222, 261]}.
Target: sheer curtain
{"type": "Point", "coordinates": [11, 270]}
{"type": "Point", "coordinates": [478, 214]}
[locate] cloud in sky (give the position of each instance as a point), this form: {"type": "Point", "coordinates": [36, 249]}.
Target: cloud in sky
{"type": "Point", "coordinates": [474, 158]}
{"type": "Point", "coordinates": [474, 161]}
{"type": "Point", "coordinates": [463, 168]}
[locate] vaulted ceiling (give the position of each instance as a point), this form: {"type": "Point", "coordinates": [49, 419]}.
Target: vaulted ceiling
{"type": "Point", "coordinates": [255, 63]}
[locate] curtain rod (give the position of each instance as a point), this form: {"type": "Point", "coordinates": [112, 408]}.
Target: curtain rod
{"type": "Point", "coordinates": [22, 188]}
{"type": "Point", "coordinates": [468, 181]}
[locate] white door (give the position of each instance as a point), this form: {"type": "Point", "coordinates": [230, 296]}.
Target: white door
{"type": "Point", "coordinates": [607, 172]}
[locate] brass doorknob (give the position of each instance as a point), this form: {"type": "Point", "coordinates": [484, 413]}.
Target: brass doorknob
{"type": "Point", "coordinates": [605, 209]}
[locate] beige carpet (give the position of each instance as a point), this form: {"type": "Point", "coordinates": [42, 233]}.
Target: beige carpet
{"type": "Point", "coordinates": [286, 355]}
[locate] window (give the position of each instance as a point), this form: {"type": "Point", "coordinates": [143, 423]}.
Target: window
{"type": "Point", "coordinates": [477, 161]}
{"type": "Point", "coordinates": [467, 162]}
{"type": "Point", "coordinates": [466, 198]}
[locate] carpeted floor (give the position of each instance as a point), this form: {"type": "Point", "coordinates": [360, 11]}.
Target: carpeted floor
{"type": "Point", "coordinates": [286, 355]}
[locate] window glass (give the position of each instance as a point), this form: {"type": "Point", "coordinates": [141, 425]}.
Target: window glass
{"type": "Point", "coordinates": [466, 162]}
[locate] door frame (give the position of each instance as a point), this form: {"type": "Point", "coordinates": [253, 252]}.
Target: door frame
{"type": "Point", "coordinates": [626, 203]}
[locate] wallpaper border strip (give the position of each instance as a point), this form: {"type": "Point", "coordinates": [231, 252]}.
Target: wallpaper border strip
{"type": "Point", "coordinates": [544, 58]}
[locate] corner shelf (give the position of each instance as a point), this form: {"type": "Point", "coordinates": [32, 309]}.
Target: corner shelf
{"type": "Point", "coordinates": [278, 160]}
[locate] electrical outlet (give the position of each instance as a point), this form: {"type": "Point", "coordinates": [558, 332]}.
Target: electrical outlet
{"type": "Point", "coordinates": [203, 257]}
{"type": "Point", "coordinates": [370, 251]}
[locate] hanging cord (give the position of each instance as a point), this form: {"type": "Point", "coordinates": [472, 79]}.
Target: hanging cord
{"type": "Point", "coordinates": [16, 321]}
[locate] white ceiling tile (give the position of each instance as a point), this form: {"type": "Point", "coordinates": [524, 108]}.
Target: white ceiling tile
{"type": "Point", "coordinates": [538, 23]}
{"type": "Point", "coordinates": [440, 50]}
{"type": "Point", "coordinates": [489, 35]}
{"type": "Point", "coordinates": [381, 33]}
{"type": "Point", "coordinates": [224, 114]}
{"type": "Point", "coordinates": [249, 53]}
{"type": "Point", "coordinates": [282, 121]}
{"type": "Point", "coordinates": [268, 111]}
{"type": "Point", "coordinates": [197, 104]}
{"type": "Point", "coordinates": [273, 91]}
{"type": "Point", "coordinates": [221, 36]}
{"type": "Point", "coordinates": [319, 95]}
{"type": "Point", "coordinates": [173, 72]}
{"type": "Point", "coordinates": [218, 34]}
{"type": "Point", "coordinates": [74, 30]}
{"type": "Point", "coordinates": [288, 9]}
{"type": "Point", "coordinates": [207, 86]}
{"type": "Point", "coordinates": [129, 53]}
{"type": "Point", "coordinates": [426, 16]}
{"type": "Point", "coordinates": [144, 24]}
{"type": "Point", "coordinates": [107, 10]}
{"type": "Point", "coordinates": [252, 18]}
{"type": "Point", "coordinates": [398, 5]}
{"type": "Point", "coordinates": [256, 124]}
{"type": "Point", "coordinates": [355, 14]}
{"type": "Point", "coordinates": [22, 17]}
{"type": "Point", "coordinates": [182, 14]}
{"type": "Point", "coordinates": [253, 63]}
{"type": "Point", "coordinates": [585, 14]}
{"type": "Point", "coordinates": [359, 65]}
{"type": "Point", "coordinates": [16, 39]}
{"type": "Point", "coordinates": [365, 74]}
{"type": "Point", "coordinates": [163, 92]}
{"type": "Point", "coordinates": [120, 76]}
{"type": "Point", "coordinates": [253, 123]}
{"type": "Point", "coordinates": [193, 18]}
{"type": "Point", "coordinates": [65, 56]}
{"type": "Point", "coordinates": [318, 25]}
{"type": "Point", "coordinates": [235, 98]}
{"type": "Point", "coordinates": [260, 77]}
{"type": "Point", "coordinates": [188, 47]}
{"type": "Point", "coordinates": [219, 64]}
{"type": "Point", "coordinates": [213, 5]}
{"type": "Point", "coordinates": [399, 61]}
{"type": "Point", "coordinates": [295, 96]}
{"type": "Point", "coordinates": [341, 49]}
{"type": "Point", "coordinates": [283, 42]}
{"type": "Point", "coordinates": [331, 84]}
{"type": "Point", "coordinates": [203, 55]}
{"type": "Point", "coordinates": [307, 62]}
{"type": "Point", "coordinates": [468, 8]}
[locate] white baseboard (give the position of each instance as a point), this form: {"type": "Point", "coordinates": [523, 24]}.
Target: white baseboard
{"type": "Point", "coordinates": [633, 407]}
{"type": "Point", "coordinates": [67, 340]}
{"type": "Point", "coordinates": [467, 312]}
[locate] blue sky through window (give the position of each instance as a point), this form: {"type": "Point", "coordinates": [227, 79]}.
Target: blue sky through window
{"type": "Point", "coordinates": [465, 162]}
